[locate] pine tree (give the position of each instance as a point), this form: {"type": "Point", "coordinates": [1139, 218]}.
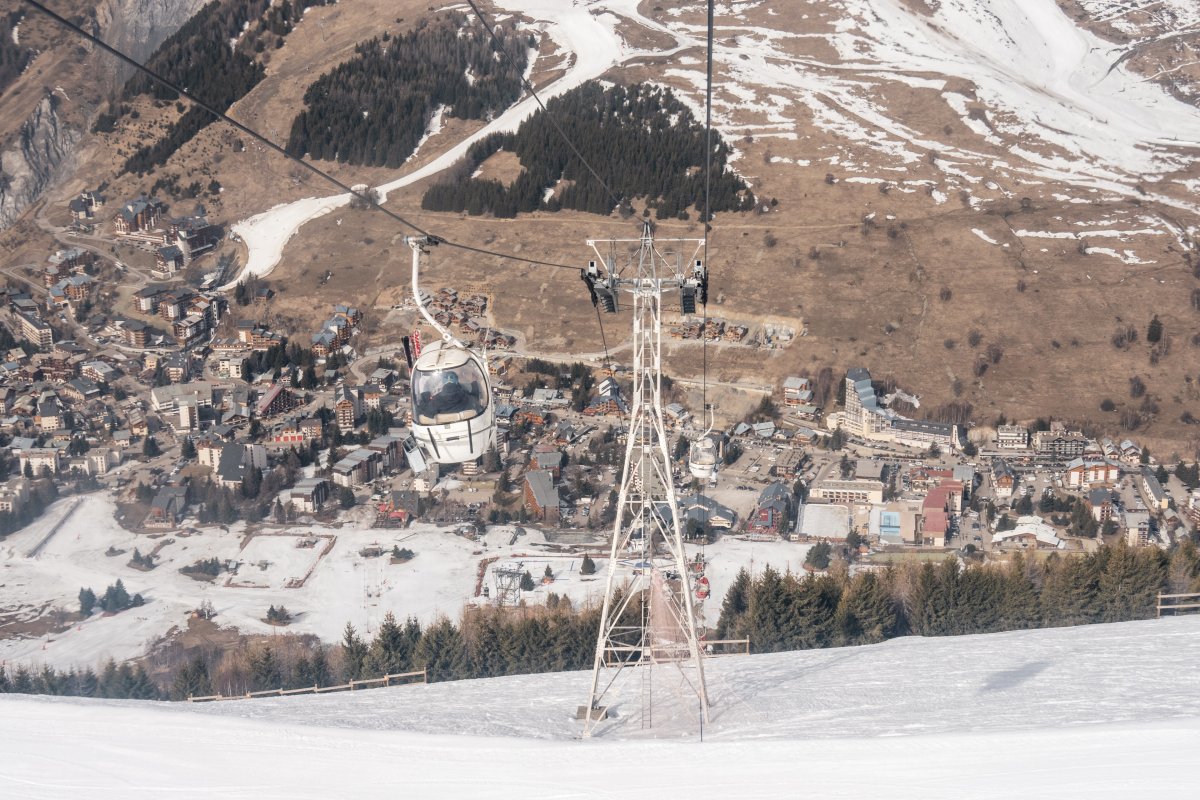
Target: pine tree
{"type": "Point", "coordinates": [1070, 592]}
{"type": "Point", "coordinates": [527, 584]}
{"type": "Point", "coordinates": [1020, 608]}
{"type": "Point", "coordinates": [265, 669]}
{"type": "Point", "coordinates": [867, 613]}
{"type": "Point", "coordinates": [87, 601]}
{"type": "Point", "coordinates": [391, 650]}
{"type": "Point", "coordinates": [766, 608]}
{"type": "Point", "coordinates": [440, 652]}
{"type": "Point", "coordinates": [587, 566]}
{"type": "Point", "coordinates": [734, 607]}
{"type": "Point", "coordinates": [354, 654]}
{"type": "Point", "coordinates": [1130, 582]}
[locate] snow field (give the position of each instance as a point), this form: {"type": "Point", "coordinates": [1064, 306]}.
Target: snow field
{"type": "Point", "coordinates": [1090, 712]}
{"type": "Point", "coordinates": [323, 586]}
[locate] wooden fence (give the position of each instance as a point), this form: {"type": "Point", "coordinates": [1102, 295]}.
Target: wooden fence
{"type": "Point", "coordinates": [726, 647]}
{"type": "Point", "coordinates": [366, 683]}
{"type": "Point", "coordinates": [1178, 602]}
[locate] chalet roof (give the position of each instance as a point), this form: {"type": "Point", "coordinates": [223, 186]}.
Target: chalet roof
{"type": "Point", "coordinates": [541, 483]}
{"type": "Point", "coordinates": [795, 384]}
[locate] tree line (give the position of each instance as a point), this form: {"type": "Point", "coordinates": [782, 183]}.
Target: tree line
{"type": "Point", "coordinates": [783, 611]}
{"type": "Point", "coordinates": [776, 611]}
{"type": "Point", "coordinates": [200, 58]}
{"type": "Point", "coordinates": [374, 108]}
{"type": "Point", "coordinates": [642, 140]}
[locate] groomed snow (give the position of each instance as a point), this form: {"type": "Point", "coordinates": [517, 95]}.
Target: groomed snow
{"type": "Point", "coordinates": [1094, 712]}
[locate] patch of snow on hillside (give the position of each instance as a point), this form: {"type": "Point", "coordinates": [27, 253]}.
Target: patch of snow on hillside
{"type": "Point", "coordinates": [1124, 256]}
{"type": "Point", "coordinates": [983, 236]}
{"type": "Point", "coordinates": [433, 129]}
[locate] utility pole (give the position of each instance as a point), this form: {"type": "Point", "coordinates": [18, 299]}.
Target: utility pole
{"type": "Point", "coordinates": [647, 618]}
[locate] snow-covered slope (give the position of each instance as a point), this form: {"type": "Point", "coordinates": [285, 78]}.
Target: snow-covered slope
{"type": "Point", "coordinates": [1100, 712]}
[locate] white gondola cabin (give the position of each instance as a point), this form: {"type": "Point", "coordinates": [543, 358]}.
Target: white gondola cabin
{"type": "Point", "coordinates": [453, 417]}
{"type": "Point", "coordinates": [702, 458]}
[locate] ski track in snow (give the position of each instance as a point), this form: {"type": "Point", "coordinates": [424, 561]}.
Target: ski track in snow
{"type": "Point", "coordinates": [1100, 712]}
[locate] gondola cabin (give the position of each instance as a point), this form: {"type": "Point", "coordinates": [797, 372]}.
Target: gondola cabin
{"type": "Point", "coordinates": [702, 458]}
{"type": "Point", "coordinates": [454, 419]}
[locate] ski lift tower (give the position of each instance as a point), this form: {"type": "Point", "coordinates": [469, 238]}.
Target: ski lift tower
{"type": "Point", "coordinates": [647, 618]}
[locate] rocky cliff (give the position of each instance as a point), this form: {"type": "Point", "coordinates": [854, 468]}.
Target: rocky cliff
{"type": "Point", "coordinates": [39, 154]}
{"type": "Point", "coordinates": [33, 159]}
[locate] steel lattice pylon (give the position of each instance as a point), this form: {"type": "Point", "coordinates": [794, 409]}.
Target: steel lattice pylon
{"type": "Point", "coordinates": [648, 578]}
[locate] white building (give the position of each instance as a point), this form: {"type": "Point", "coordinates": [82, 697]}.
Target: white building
{"type": "Point", "coordinates": [1012, 437]}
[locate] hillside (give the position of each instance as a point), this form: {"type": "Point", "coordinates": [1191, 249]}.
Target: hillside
{"type": "Point", "coordinates": [927, 169]}
{"type": "Point", "coordinates": [1082, 712]}
{"type": "Point", "coordinates": [936, 170]}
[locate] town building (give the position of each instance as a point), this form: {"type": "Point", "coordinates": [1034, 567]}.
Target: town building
{"type": "Point", "coordinates": [34, 330]}
{"type": "Point", "coordinates": [541, 496]}
{"type": "Point", "coordinates": [309, 495]}
{"type": "Point", "coordinates": [772, 514]}
{"type": "Point", "coordinates": [1152, 491]}
{"type": "Point", "coordinates": [1030, 532]}
{"type": "Point", "coordinates": [1136, 525]}
{"type": "Point", "coordinates": [848, 491]}
{"type": "Point", "coordinates": [1004, 479]}
{"type": "Point", "coordinates": [864, 416]}
{"type": "Point", "coordinates": [1059, 443]}
{"type": "Point", "coordinates": [1088, 473]}
{"type": "Point", "coordinates": [1012, 437]}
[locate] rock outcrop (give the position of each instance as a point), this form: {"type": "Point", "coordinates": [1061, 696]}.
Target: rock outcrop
{"type": "Point", "coordinates": [39, 154]}
{"type": "Point", "coordinates": [33, 160]}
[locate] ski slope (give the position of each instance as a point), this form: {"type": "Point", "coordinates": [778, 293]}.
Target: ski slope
{"type": "Point", "coordinates": [1104, 711]}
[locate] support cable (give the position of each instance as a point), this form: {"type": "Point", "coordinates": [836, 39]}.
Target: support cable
{"type": "Point", "coordinates": [529, 87]}
{"type": "Point", "coordinates": [708, 82]}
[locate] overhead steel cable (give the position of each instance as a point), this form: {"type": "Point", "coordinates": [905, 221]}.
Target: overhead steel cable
{"type": "Point", "coordinates": [708, 81]}
{"type": "Point", "coordinates": [246, 129]}
{"type": "Point", "coordinates": [612, 196]}
{"type": "Point", "coordinates": [708, 74]}
{"type": "Point", "coordinates": [529, 87]}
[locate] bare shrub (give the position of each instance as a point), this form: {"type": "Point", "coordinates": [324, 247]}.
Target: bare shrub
{"type": "Point", "coordinates": [945, 294]}
{"type": "Point", "coordinates": [974, 338]}
{"type": "Point", "coordinates": [1137, 387]}
{"type": "Point", "coordinates": [1124, 337]}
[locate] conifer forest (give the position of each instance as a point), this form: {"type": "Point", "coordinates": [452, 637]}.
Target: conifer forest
{"type": "Point", "coordinates": [641, 139]}
{"type": "Point", "coordinates": [374, 108]}
{"type": "Point", "coordinates": [776, 611]}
